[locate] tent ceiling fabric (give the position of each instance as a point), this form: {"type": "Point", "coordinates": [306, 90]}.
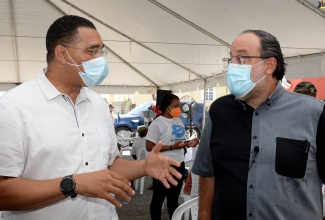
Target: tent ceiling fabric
{"type": "Point", "coordinates": [160, 44]}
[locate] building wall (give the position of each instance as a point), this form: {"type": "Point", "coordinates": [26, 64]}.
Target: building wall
{"type": "Point", "coordinates": [123, 103]}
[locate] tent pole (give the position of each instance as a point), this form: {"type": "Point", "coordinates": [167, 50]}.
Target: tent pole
{"type": "Point", "coordinates": [204, 100]}
{"type": "Point", "coordinates": [14, 39]}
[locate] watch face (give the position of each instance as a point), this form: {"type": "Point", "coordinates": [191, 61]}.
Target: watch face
{"type": "Point", "coordinates": [67, 185]}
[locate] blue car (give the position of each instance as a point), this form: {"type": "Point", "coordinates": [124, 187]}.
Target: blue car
{"type": "Point", "coordinates": [131, 120]}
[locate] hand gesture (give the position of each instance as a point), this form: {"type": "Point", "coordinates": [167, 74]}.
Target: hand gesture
{"type": "Point", "coordinates": [101, 184]}
{"type": "Point", "coordinates": [161, 167]}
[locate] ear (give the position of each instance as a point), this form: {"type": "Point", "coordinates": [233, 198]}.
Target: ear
{"type": "Point", "coordinates": [60, 54]}
{"type": "Point", "coordinates": [270, 65]}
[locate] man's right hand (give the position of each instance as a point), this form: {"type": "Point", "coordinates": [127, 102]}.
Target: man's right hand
{"type": "Point", "coordinates": [102, 184]}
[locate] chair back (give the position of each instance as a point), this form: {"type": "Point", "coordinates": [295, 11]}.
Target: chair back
{"type": "Point", "coordinates": [188, 164]}
{"type": "Point", "coordinates": [195, 185]}
{"type": "Point", "coordinates": [142, 151]}
{"type": "Point", "coordinates": [122, 135]}
{"type": "Point", "coordinates": [191, 204]}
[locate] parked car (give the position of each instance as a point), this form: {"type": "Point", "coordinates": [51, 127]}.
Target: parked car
{"type": "Point", "coordinates": [131, 120]}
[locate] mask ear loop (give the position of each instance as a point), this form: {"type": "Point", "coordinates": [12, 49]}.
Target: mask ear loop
{"type": "Point", "coordinates": [260, 79]}
{"type": "Point", "coordinates": [74, 63]}
{"type": "Point", "coordinates": [170, 110]}
{"type": "Point", "coordinates": [263, 76]}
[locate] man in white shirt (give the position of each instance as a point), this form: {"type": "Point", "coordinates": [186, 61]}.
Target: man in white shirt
{"type": "Point", "coordinates": [58, 150]}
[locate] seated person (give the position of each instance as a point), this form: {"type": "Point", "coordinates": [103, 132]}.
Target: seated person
{"type": "Point", "coordinates": [140, 143]}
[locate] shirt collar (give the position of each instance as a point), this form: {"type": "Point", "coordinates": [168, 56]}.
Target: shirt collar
{"type": "Point", "coordinates": [51, 92]}
{"type": "Point", "coordinates": [274, 97]}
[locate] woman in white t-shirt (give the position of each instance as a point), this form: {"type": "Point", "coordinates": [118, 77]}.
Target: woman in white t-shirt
{"type": "Point", "coordinates": [169, 129]}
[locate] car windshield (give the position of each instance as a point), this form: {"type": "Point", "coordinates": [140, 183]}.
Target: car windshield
{"type": "Point", "coordinates": [137, 110]}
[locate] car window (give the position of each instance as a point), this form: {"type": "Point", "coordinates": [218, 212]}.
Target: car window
{"type": "Point", "coordinates": [137, 110]}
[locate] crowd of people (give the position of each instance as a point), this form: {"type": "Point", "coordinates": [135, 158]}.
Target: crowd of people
{"type": "Point", "coordinates": [260, 155]}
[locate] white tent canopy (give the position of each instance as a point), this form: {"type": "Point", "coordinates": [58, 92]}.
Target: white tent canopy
{"type": "Point", "coordinates": [166, 44]}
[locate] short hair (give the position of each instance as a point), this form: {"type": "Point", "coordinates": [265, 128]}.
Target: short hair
{"type": "Point", "coordinates": [165, 102]}
{"type": "Point", "coordinates": [270, 47]}
{"type": "Point", "coordinates": [64, 31]}
{"type": "Point", "coordinates": [143, 130]}
{"type": "Point", "coordinates": [306, 88]}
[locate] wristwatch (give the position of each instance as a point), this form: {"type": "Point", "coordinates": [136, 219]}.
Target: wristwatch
{"type": "Point", "coordinates": [68, 186]}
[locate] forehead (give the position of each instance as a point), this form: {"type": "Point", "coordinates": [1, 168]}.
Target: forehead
{"type": "Point", "coordinates": [88, 37]}
{"type": "Point", "coordinates": [246, 44]}
{"type": "Point", "coordinates": [175, 102]}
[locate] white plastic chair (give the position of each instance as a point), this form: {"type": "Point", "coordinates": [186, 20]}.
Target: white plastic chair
{"type": "Point", "coordinates": [124, 138]}
{"type": "Point", "coordinates": [191, 204]}
{"type": "Point", "coordinates": [194, 192]}
{"type": "Point", "coordinates": [136, 182]}
{"type": "Point", "coordinates": [188, 164]}
{"type": "Point", "coordinates": [194, 189]}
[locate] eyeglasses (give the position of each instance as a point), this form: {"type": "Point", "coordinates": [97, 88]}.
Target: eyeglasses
{"type": "Point", "coordinates": [238, 60]}
{"type": "Point", "coordinates": [94, 51]}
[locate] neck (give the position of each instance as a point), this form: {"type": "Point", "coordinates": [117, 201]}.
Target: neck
{"type": "Point", "coordinates": [59, 80]}
{"type": "Point", "coordinates": [261, 94]}
{"type": "Point", "coordinates": [166, 114]}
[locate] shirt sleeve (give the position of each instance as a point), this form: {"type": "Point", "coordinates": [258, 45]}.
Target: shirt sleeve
{"type": "Point", "coordinates": [135, 147]}
{"type": "Point", "coordinates": [12, 160]}
{"type": "Point", "coordinates": [113, 149]}
{"type": "Point", "coordinates": [320, 141]}
{"type": "Point", "coordinates": [153, 132]}
{"type": "Point", "coordinates": [203, 162]}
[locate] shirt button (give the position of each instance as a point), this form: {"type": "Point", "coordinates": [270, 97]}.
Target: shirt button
{"type": "Point", "coordinates": [254, 136]}
{"type": "Point", "coordinates": [82, 134]}
{"type": "Point", "coordinates": [256, 113]}
{"type": "Point", "coordinates": [251, 186]}
{"type": "Point", "coordinates": [250, 214]}
{"type": "Point", "coordinates": [86, 163]}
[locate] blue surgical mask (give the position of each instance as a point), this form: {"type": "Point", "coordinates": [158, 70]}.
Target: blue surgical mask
{"type": "Point", "coordinates": [239, 79]}
{"type": "Point", "coordinates": [96, 70]}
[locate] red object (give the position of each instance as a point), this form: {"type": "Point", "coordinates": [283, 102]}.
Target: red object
{"type": "Point", "coordinates": [157, 111]}
{"type": "Point", "coordinates": [319, 83]}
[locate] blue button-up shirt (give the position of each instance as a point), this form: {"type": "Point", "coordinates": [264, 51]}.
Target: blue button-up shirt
{"type": "Point", "coordinates": [267, 162]}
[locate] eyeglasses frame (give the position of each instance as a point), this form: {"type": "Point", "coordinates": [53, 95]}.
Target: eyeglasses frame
{"type": "Point", "coordinates": [241, 58]}
{"type": "Point", "coordinates": [93, 51]}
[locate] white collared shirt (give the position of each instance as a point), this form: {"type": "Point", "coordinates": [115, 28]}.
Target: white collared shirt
{"type": "Point", "coordinates": [43, 135]}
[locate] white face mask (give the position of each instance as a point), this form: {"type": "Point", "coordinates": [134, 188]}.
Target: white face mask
{"type": "Point", "coordinates": [96, 70]}
{"type": "Point", "coordinates": [239, 79]}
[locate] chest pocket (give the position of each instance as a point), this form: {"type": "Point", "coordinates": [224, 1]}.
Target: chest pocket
{"type": "Point", "coordinates": [291, 157]}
